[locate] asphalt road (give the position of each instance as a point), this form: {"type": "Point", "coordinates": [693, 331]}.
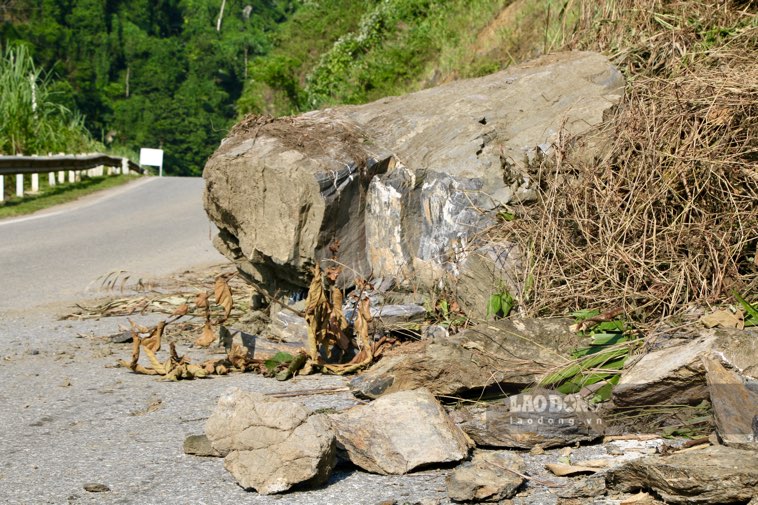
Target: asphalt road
{"type": "Point", "coordinates": [148, 228]}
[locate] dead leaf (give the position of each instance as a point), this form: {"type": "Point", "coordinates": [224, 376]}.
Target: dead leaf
{"type": "Point", "coordinates": [223, 295]}
{"type": "Point", "coordinates": [201, 300]}
{"type": "Point", "coordinates": [724, 319]}
{"type": "Point", "coordinates": [181, 310]}
{"type": "Point", "coordinates": [562, 470]}
{"type": "Point", "coordinates": [208, 336]}
{"type": "Point", "coordinates": [153, 342]}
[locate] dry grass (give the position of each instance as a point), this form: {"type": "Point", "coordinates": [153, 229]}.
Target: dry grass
{"type": "Point", "coordinates": [669, 217]}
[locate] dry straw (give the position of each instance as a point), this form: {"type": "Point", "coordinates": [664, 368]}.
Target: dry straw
{"type": "Point", "coordinates": [669, 217]}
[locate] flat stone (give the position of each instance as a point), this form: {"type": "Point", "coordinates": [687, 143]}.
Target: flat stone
{"type": "Point", "coordinates": [399, 433]}
{"type": "Point", "coordinates": [717, 474]}
{"type": "Point", "coordinates": [539, 418]}
{"type": "Point", "coordinates": [486, 477]}
{"type": "Point", "coordinates": [507, 354]}
{"type": "Point", "coordinates": [199, 445]}
{"type": "Point", "coordinates": [675, 375]}
{"type": "Point", "coordinates": [271, 445]}
{"type": "Point", "coordinates": [735, 408]}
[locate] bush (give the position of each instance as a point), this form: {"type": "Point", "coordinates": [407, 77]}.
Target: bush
{"type": "Point", "coordinates": [34, 119]}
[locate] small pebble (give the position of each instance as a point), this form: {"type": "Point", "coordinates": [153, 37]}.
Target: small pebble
{"type": "Point", "coordinates": [94, 487]}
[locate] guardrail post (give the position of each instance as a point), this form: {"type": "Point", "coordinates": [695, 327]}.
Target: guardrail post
{"type": "Point", "coordinates": [2, 188]}
{"type": "Point", "coordinates": [51, 179]}
{"type": "Point", "coordinates": [20, 185]}
{"type": "Point", "coordinates": [35, 183]}
{"type": "Point", "coordinates": [125, 166]}
{"type": "Point", "coordinates": [71, 176]}
{"type": "Point", "coordinates": [61, 177]}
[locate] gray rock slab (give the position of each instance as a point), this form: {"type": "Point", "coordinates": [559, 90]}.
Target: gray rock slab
{"type": "Point", "coordinates": [489, 476]}
{"type": "Point", "coordinates": [544, 418]}
{"type": "Point", "coordinates": [506, 353]}
{"type": "Point", "coordinates": [717, 474]}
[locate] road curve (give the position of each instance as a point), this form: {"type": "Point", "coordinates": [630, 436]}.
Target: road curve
{"type": "Point", "coordinates": [150, 227]}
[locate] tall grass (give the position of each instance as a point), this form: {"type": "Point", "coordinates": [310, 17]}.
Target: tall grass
{"type": "Point", "coordinates": [33, 122]}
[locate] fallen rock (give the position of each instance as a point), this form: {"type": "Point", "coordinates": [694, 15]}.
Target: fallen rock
{"type": "Point", "coordinates": [675, 375]}
{"type": "Point", "coordinates": [399, 433]}
{"type": "Point", "coordinates": [505, 354]}
{"type": "Point", "coordinates": [735, 408]}
{"type": "Point", "coordinates": [199, 445]}
{"type": "Point", "coordinates": [539, 418]}
{"type": "Point", "coordinates": [404, 183]}
{"type": "Point", "coordinates": [587, 487]}
{"type": "Point", "coordinates": [271, 445]}
{"type": "Point", "coordinates": [716, 474]}
{"type": "Point", "coordinates": [489, 476]}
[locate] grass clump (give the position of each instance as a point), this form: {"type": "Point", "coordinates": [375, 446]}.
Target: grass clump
{"type": "Point", "coordinates": [33, 121]}
{"type": "Point", "coordinates": [58, 194]}
{"type": "Point", "coordinates": [668, 218]}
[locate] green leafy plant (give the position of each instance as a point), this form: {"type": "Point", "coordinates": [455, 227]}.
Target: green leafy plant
{"type": "Point", "coordinates": [610, 344]}
{"type": "Point", "coordinates": [500, 304]}
{"type": "Point", "coordinates": [751, 313]}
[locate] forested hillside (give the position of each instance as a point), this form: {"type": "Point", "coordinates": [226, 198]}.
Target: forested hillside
{"type": "Point", "coordinates": [153, 73]}
{"type": "Point", "coordinates": [176, 74]}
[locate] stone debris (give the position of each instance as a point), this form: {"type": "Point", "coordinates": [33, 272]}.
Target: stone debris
{"type": "Point", "coordinates": [735, 407]}
{"type": "Point", "coordinates": [270, 445]}
{"type": "Point", "coordinates": [200, 445]}
{"type": "Point", "coordinates": [716, 474]}
{"type": "Point", "coordinates": [489, 476]}
{"type": "Point", "coordinates": [399, 433]}
{"type": "Point", "coordinates": [508, 424]}
{"type": "Point", "coordinates": [508, 354]}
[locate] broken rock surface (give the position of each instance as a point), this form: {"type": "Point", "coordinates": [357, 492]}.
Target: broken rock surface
{"type": "Point", "coordinates": [508, 354]}
{"type": "Point", "coordinates": [489, 476]}
{"type": "Point", "coordinates": [523, 421]}
{"type": "Point", "coordinates": [403, 183]}
{"type": "Point", "coordinates": [271, 445]}
{"type": "Point", "coordinates": [716, 474]}
{"type": "Point", "coordinates": [399, 433]}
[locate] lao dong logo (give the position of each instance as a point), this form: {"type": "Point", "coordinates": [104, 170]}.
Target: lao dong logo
{"type": "Point", "coordinates": [546, 409]}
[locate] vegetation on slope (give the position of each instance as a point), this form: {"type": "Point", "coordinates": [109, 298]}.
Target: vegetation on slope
{"type": "Point", "coordinates": [163, 74]}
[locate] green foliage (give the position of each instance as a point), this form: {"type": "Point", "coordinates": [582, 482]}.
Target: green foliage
{"type": "Point", "coordinates": [751, 312]}
{"type": "Point", "coordinates": [155, 73]}
{"type": "Point", "coordinates": [500, 304]}
{"type": "Point", "coordinates": [279, 358]}
{"type": "Point", "coordinates": [35, 119]}
{"type": "Point", "coordinates": [610, 344]}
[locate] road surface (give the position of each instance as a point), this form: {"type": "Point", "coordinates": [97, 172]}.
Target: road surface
{"type": "Point", "coordinates": [150, 227]}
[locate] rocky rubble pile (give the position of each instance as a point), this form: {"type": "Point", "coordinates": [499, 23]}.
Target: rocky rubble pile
{"type": "Point", "coordinates": [403, 189]}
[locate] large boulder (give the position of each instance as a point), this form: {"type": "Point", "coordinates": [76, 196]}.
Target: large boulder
{"type": "Point", "coordinates": [400, 433]}
{"type": "Point", "coordinates": [403, 184]}
{"type": "Point", "coordinates": [271, 445]}
{"type": "Point", "coordinates": [502, 355]}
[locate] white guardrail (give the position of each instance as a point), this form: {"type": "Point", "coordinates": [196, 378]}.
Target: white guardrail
{"type": "Point", "coordinates": [61, 167]}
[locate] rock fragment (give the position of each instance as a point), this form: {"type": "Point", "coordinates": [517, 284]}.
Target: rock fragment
{"type": "Point", "coordinates": [506, 354]}
{"type": "Point", "coordinates": [399, 433]}
{"type": "Point", "coordinates": [271, 445]}
{"type": "Point", "coordinates": [716, 474]}
{"type": "Point", "coordinates": [489, 476]}
{"type": "Point", "coordinates": [540, 418]}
